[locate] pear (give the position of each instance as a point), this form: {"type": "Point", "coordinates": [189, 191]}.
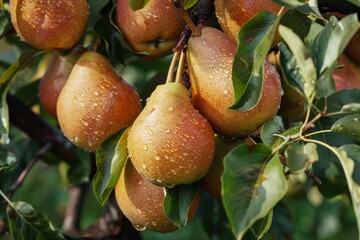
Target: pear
{"type": "Point", "coordinates": [233, 14]}
{"type": "Point", "coordinates": [54, 80]}
{"type": "Point", "coordinates": [95, 102]}
{"type": "Point", "coordinates": [348, 76]}
{"type": "Point", "coordinates": [142, 202]}
{"type": "Point", "coordinates": [211, 182]}
{"type": "Point", "coordinates": [51, 24]}
{"type": "Point", "coordinates": [170, 143]}
{"type": "Point", "coordinates": [210, 58]}
{"type": "Point", "coordinates": [154, 29]}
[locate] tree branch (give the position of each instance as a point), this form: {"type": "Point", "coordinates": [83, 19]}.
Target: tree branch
{"type": "Point", "coordinates": [38, 128]}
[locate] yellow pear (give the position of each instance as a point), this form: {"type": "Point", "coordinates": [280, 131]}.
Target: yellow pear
{"type": "Point", "coordinates": [171, 143]}
{"type": "Point", "coordinates": [51, 24]}
{"type": "Point", "coordinates": [210, 58]}
{"type": "Point", "coordinates": [142, 202]}
{"type": "Point", "coordinates": [95, 102]}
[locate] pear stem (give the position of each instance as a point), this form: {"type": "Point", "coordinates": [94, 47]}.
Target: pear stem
{"type": "Point", "coordinates": [170, 75]}
{"type": "Point", "coordinates": [180, 69]}
{"type": "Point", "coordinates": [179, 4]}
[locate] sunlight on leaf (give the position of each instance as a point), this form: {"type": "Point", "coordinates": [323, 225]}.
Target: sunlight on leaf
{"type": "Point", "coordinates": [252, 183]}
{"type": "Point", "coordinates": [349, 125]}
{"type": "Point", "coordinates": [110, 159]}
{"type": "Point", "coordinates": [304, 61]}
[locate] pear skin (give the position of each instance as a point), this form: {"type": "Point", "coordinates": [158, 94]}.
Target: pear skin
{"type": "Point", "coordinates": [348, 76]}
{"type": "Point", "coordinates": [95, 102]}
{"type": "Point", "coordinates": [210, 58]}
{"type": "Point", "coordinates": [54, 80]}
{"type": "Point", "coordinates": [154, 30]}
{"type": "Point", "coordinates": [141, 201]}
{"type": "Point", "coordinates": [233, 14]}
{"type": "Point", "coordinates": [171, 143]}
{"type": "Point", "coordinates": [51, 24]}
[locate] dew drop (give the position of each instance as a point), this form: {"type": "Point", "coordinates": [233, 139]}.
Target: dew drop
{"type": "Point", "coordinates": [157, 157]}
{"type": "Point", "coordinates": [168, 131]}
{"type": "Point", "coordinates": [226, 92]}
{"type": "Point", "coordinates": [194, 121]}
{"type": "Point", "coordinates": [139, 227]}
{"type": "Point", "coordinates": [145, 147]}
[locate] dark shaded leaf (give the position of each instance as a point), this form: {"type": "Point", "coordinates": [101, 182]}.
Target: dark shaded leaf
{"type": "Point", "coordinates": [25, 222]}
{"type": "Point", "coordinates": [177, 202]}
{"type": "Point", "coordinates": [7, 159]}
{"type": "Point", "coordinates": [5, 78]}
{"type": "Point", "coordinates": [110, 159]}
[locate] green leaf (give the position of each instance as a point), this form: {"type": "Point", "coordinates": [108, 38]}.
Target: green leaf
{"type": "Point", "coordinates": [25, 222]}
{"type": "Point", "coordinates": [274, 125]}
{"type": "Point", "coordinates": [355, 2]}
{"type": "Point", "coordinates": [7, 159]}
{"type": "Point", "coordinates": [110, 159]}
{"type": "Point", "coordinates": [262, 226]}
{"type": "Point", "coordinates": [138, 4]}
{"type": "Point", "coordinates": [300, 156]}
{"type": "Point", "coordinates": [332, 40]}
{"type": "Point", "coordinates": [177, 202]}
{"type": "Point", "coordinates": [4, 22]}
{"type": "Point", "coordinates": [351, 108]}
{"type": "Point", "coordinates": [298, 22]}
{"type": "Point", "coordinates": [113, 39]}
{"type": "Point", "coordinates": [255, 37]}
{"type": "Point", "coordinates": [253, 182]}
{"type": "Point", "coordinates": [291, 3]}
{"type": "Point", "coordinates": [303, 58]}
{"type": "Point", "coordinates": [5, 78]}
{"type": "Point", "coordinates": [189, 3]}
{"type": "Point", "coordinates": [349, 125]}
{"type": "Point", "coordinates": [353, 152]}
{"type": "Point", "coordinates": [349, 168]}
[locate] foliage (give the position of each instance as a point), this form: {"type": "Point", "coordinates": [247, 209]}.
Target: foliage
{"type": "Point", "coordinates": [268, 190]}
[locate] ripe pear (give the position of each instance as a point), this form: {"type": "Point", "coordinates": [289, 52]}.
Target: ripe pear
{"type": "Point", "coordinates": [95, 102]}
{"type": "Point", "coordinates": [51, 24]}
{"type": "Point", "coordinates": [171, 143]}
{"type": "Point", "coordinates": [154, 29]}
{"type": "Point", "coordinates": [211, 182]}
{"type": "Point", "coordinates": [54, 80]}
{"type": "Point", "coordinates": [233, 14]}
{"type": "Point", "coordinates": [353, 48]}
{"type": "Point", "coordinates": [348, 76]}
{"type": "Point", "coordinates": [142, 202]}
{"type": "Point", "coordinates": [210, 58]}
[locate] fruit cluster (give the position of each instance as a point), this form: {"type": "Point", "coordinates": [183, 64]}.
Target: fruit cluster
{"type": "Point", "coordinates": [181, 135]}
